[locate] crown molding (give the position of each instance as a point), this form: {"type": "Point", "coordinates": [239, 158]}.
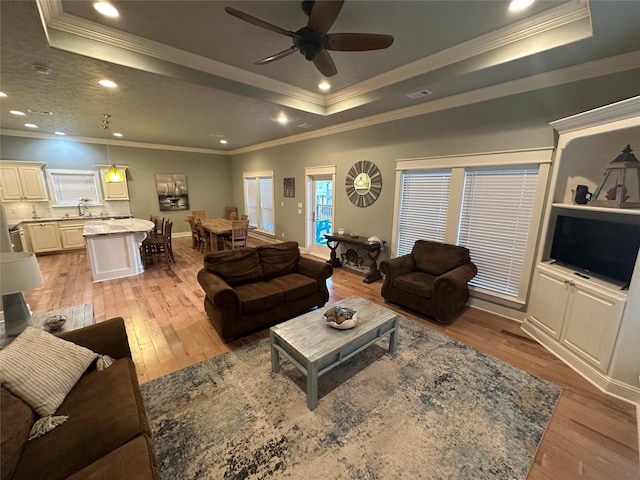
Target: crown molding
{"type": "Point", "coordinates": [619, 63]}
{"type": "Point", "coordinates": [120, 143]}
{"type": "Point", "coordinates": [629, 108]}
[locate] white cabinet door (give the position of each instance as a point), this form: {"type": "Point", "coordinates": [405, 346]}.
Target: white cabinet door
{"type": "Point", "coordinates": [45, 237]}
{"type": "Point", "coordinates": [114, 191]}
{"type": "Point", "coordinates": [11, 186]}
{"type": "Point", "coordinates": [591, 324]}
{"type": "Point", "coordinates": [549, 297]}
{"type": "Point", "coordinates": [32, 183]}
{"type": "Point", "coordinates": [71, 235]}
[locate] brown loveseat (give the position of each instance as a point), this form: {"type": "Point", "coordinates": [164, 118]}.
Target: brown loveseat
{"type": "Point", "coordinates": [432, 279]}
{"type": "Point", "coordinates": [107, 434]}
{"type": "Point", "coordinates": [252, 288]}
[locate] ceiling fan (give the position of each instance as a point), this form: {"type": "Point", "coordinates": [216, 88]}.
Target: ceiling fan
{"type": "Point", "coordinates": [313, 41]}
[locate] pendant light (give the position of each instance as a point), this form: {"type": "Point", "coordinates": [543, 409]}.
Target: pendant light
{"type": "Point", "coordinates": [113, 175]}
{"type": "Point", "coordinates": [620, 187]}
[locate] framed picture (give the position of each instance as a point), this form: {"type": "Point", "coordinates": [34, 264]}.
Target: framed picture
{"type": "Point", "coordinates": [290, 187]}
{"type": "Point", "coordinates": [173, 193]}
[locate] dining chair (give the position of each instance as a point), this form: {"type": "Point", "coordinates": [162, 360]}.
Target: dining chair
{"type": "Point", "coordinates": [231, 213]}
{"type": "Point", "coordinates": [159, 244]}
{"type": "Point", "coordinates": [158, 224]}
{"type": "Point", "coordinates": [198, 213]}
{"type": "Point", "coordinates": [205, 239]}
{"type": "Point", "coordinates": [244, 216]}
{"type": "Point", "coordinates": [195, 235]}
{"type": "Point", "coordinates": [239, 232]}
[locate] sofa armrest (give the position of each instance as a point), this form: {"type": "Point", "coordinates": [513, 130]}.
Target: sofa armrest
{"type": "Point", "coordinates": [218, 291]}
{"type": "Point", "coordinates": [106, 338]}
{"type": "Point", "coordinates": [394, 267]}
{"type": "Point", "coordinates": [454, 279]}
{"type": "Point", "coordinates": [314, 269]}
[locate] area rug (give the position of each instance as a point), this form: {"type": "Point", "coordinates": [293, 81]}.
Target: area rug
{"type": "Point", "coordinates": [437, 409]}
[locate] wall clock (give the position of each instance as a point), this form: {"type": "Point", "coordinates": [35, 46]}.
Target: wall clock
{"type": "Point", "coordinates": [363, 183]}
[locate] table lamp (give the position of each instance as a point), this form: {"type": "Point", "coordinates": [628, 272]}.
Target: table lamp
{"type": "Point", "coordinates": [19, 271]}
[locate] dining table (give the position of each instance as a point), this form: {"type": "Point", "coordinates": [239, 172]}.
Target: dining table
{"type": "Point", "coordinates": [218, 228]}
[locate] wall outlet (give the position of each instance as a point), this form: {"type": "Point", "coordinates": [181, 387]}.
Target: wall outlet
{"type": "Point", "coordinates": [282, 234]}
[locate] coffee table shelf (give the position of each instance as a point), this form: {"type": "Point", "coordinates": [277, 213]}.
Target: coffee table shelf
{"type": "Point", "coordinates": [315, 348]}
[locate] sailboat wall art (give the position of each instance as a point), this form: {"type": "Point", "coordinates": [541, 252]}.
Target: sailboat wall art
{"type": "Point", "coordinates": [173, 193]}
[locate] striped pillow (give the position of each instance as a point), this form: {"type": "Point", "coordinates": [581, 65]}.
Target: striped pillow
{"type": "Point", "coordinates": [41, 369]}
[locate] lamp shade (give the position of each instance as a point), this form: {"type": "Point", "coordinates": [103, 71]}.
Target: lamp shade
{"type": "Point", "coordinates": [19, 271]}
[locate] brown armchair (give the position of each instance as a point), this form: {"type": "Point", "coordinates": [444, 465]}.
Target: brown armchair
{"type": "Point", "coordinates": [431, 280]}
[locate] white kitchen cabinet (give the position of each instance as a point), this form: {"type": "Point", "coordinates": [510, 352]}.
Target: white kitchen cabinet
{"type": "Point", "coordinates": [71, 234]}
{"type": "Point", "coordinates": [22, 182]}
{"type": "Point", "coordinates": [582, 314]}
{"type": "Point", "coordinates": [45, 237]}
{"type": "Point", "coordinates": [114, 191]}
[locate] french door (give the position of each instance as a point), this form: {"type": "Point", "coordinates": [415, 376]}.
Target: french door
{"type": "Point", "coordinates": [320, 212]}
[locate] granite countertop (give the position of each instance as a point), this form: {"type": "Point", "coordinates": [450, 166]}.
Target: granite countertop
{"type": "Point", "coordinates": [111, 227]}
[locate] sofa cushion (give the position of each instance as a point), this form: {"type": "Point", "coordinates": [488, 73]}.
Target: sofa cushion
{"type": "Point", "coordinates": [16, 418]}
{"type": "Point", "coordinates": [41, 368]}
{"type": "Point", "coordinates": [135, 460]}
{"type": "Point", "coordinates": [235, 266]}
{"type": "Point", "coordinates": [259, 296]}
{"type": "Point", "coordinates": [279, 258]}
{"type": "Point", "coordinates": [105, 411]}
{"type": "Point", "coordinates": [416, 283]}
{"type": "Point", "coordinates": [295, 286]}
{"type": "Point", "coordinates": [438, 258]}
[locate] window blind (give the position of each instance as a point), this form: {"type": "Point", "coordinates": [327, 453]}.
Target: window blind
{"type": "Point", "coordinates": [494, 224]}
{"type": "Point", "coordinates": [69, 188]}
{"type": "Point", "coordinates": [424, 200]}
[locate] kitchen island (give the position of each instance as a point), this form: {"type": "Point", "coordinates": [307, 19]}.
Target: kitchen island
{"type": "Point", "coordinates": [113, 247]}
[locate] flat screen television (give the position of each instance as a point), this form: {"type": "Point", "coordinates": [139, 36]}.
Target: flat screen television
{"type": "Point", "coordinates": [604, 248]}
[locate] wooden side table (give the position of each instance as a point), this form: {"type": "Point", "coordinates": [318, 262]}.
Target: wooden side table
{"type": "Point", "coordinates": [373, 250]}
{"type": "Point", "coordinates": [78, 316]}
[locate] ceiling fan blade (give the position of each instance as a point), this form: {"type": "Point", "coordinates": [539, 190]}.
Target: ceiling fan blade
{"type": "Point", "coordinates": [256, 21]}
{"type": "Point", "coordinates": [277, 56]}
{"type": "Point", "coordinates": [324, 63]}
{"type": "Point", "coordinates": [355, 42]}
{"type": "Point", "coordinates": [323, 14]}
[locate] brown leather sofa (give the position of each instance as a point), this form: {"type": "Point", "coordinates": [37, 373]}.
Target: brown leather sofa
{"type": "Point", "coordinates": [251, 288]}
{"type": "Point", "coordinates": [107, 433]}
{"type": "Point", "coordinates": [431, 280]}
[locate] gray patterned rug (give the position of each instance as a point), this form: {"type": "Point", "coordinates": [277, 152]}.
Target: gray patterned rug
{"type": "Point", "coordinates": [438, 409]}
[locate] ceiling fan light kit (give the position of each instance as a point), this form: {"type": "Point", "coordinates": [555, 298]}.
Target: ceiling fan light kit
{"type": "Point", "coordinates": [313, 41]}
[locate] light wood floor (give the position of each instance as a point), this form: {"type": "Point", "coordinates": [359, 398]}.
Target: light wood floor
{"type": "Point", "coordinates": [591, 435]}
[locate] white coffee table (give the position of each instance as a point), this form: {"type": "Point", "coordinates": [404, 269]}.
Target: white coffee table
{"type": "Point", "coordinates": [315, 348]}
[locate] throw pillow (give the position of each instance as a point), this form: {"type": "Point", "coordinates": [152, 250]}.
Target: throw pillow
{"type": "Point", "coordinates": [41, 368]}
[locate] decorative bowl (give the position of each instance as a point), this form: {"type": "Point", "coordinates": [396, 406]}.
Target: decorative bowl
{"type": "Point", "coordinates": [354, 235]}
{"type": "Point", "coordinates": [333, 316]}
{"type": "Point", "coordinates": [54, 323]}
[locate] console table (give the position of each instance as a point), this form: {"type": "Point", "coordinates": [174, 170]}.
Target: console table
{"type": "Point", "coordinates": [351, 255]}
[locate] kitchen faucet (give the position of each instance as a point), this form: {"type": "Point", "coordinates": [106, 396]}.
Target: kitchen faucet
{"type": "Point", "coordinates": [82, 209]}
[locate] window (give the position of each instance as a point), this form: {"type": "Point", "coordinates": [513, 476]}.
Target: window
{"type": "Point", "coordinates": [70, 186]}
{"type": "Point", "coordinates": [497, 207]}
{"type": "Point", "coordinates": [424, 200]}
{"type": "Point", "coordinates": [259, 202]}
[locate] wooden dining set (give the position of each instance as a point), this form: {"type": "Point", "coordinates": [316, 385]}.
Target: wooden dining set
{"type": "Point", "coordinates": [211, 233]}
{"type": "Point", "coordinates": [158, 241]}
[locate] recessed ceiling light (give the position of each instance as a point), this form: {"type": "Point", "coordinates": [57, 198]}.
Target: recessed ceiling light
{"type": "Point", "coordinates": [17, 112]}
{"type": "Point", "coordinates": [324, 85]}
{"type": "Point", "coordinates": [282, 118]}
{"type": "Point", "coordinates": [2, 94]}
{"type": "Point", "coordinates": [223, 141]}
{"type": "Point", "coordinates": [108, 83]}
{"type": "Point", "coordinates": [62, 134]}
{"type": "Point", "coordinates": [106, 9]}
{"type": "Point", "coordinates": [31, 125]}
{"type": "Point", "coordinates": [517, 5]}
{"type": "Point", "coordinates": [117, 134]}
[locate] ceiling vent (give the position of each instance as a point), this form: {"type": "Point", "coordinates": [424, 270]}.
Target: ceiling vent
{"type": "Point", "coordinates": [304, 125]}
{"type": "Point", "coordinates": [419, 94]}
